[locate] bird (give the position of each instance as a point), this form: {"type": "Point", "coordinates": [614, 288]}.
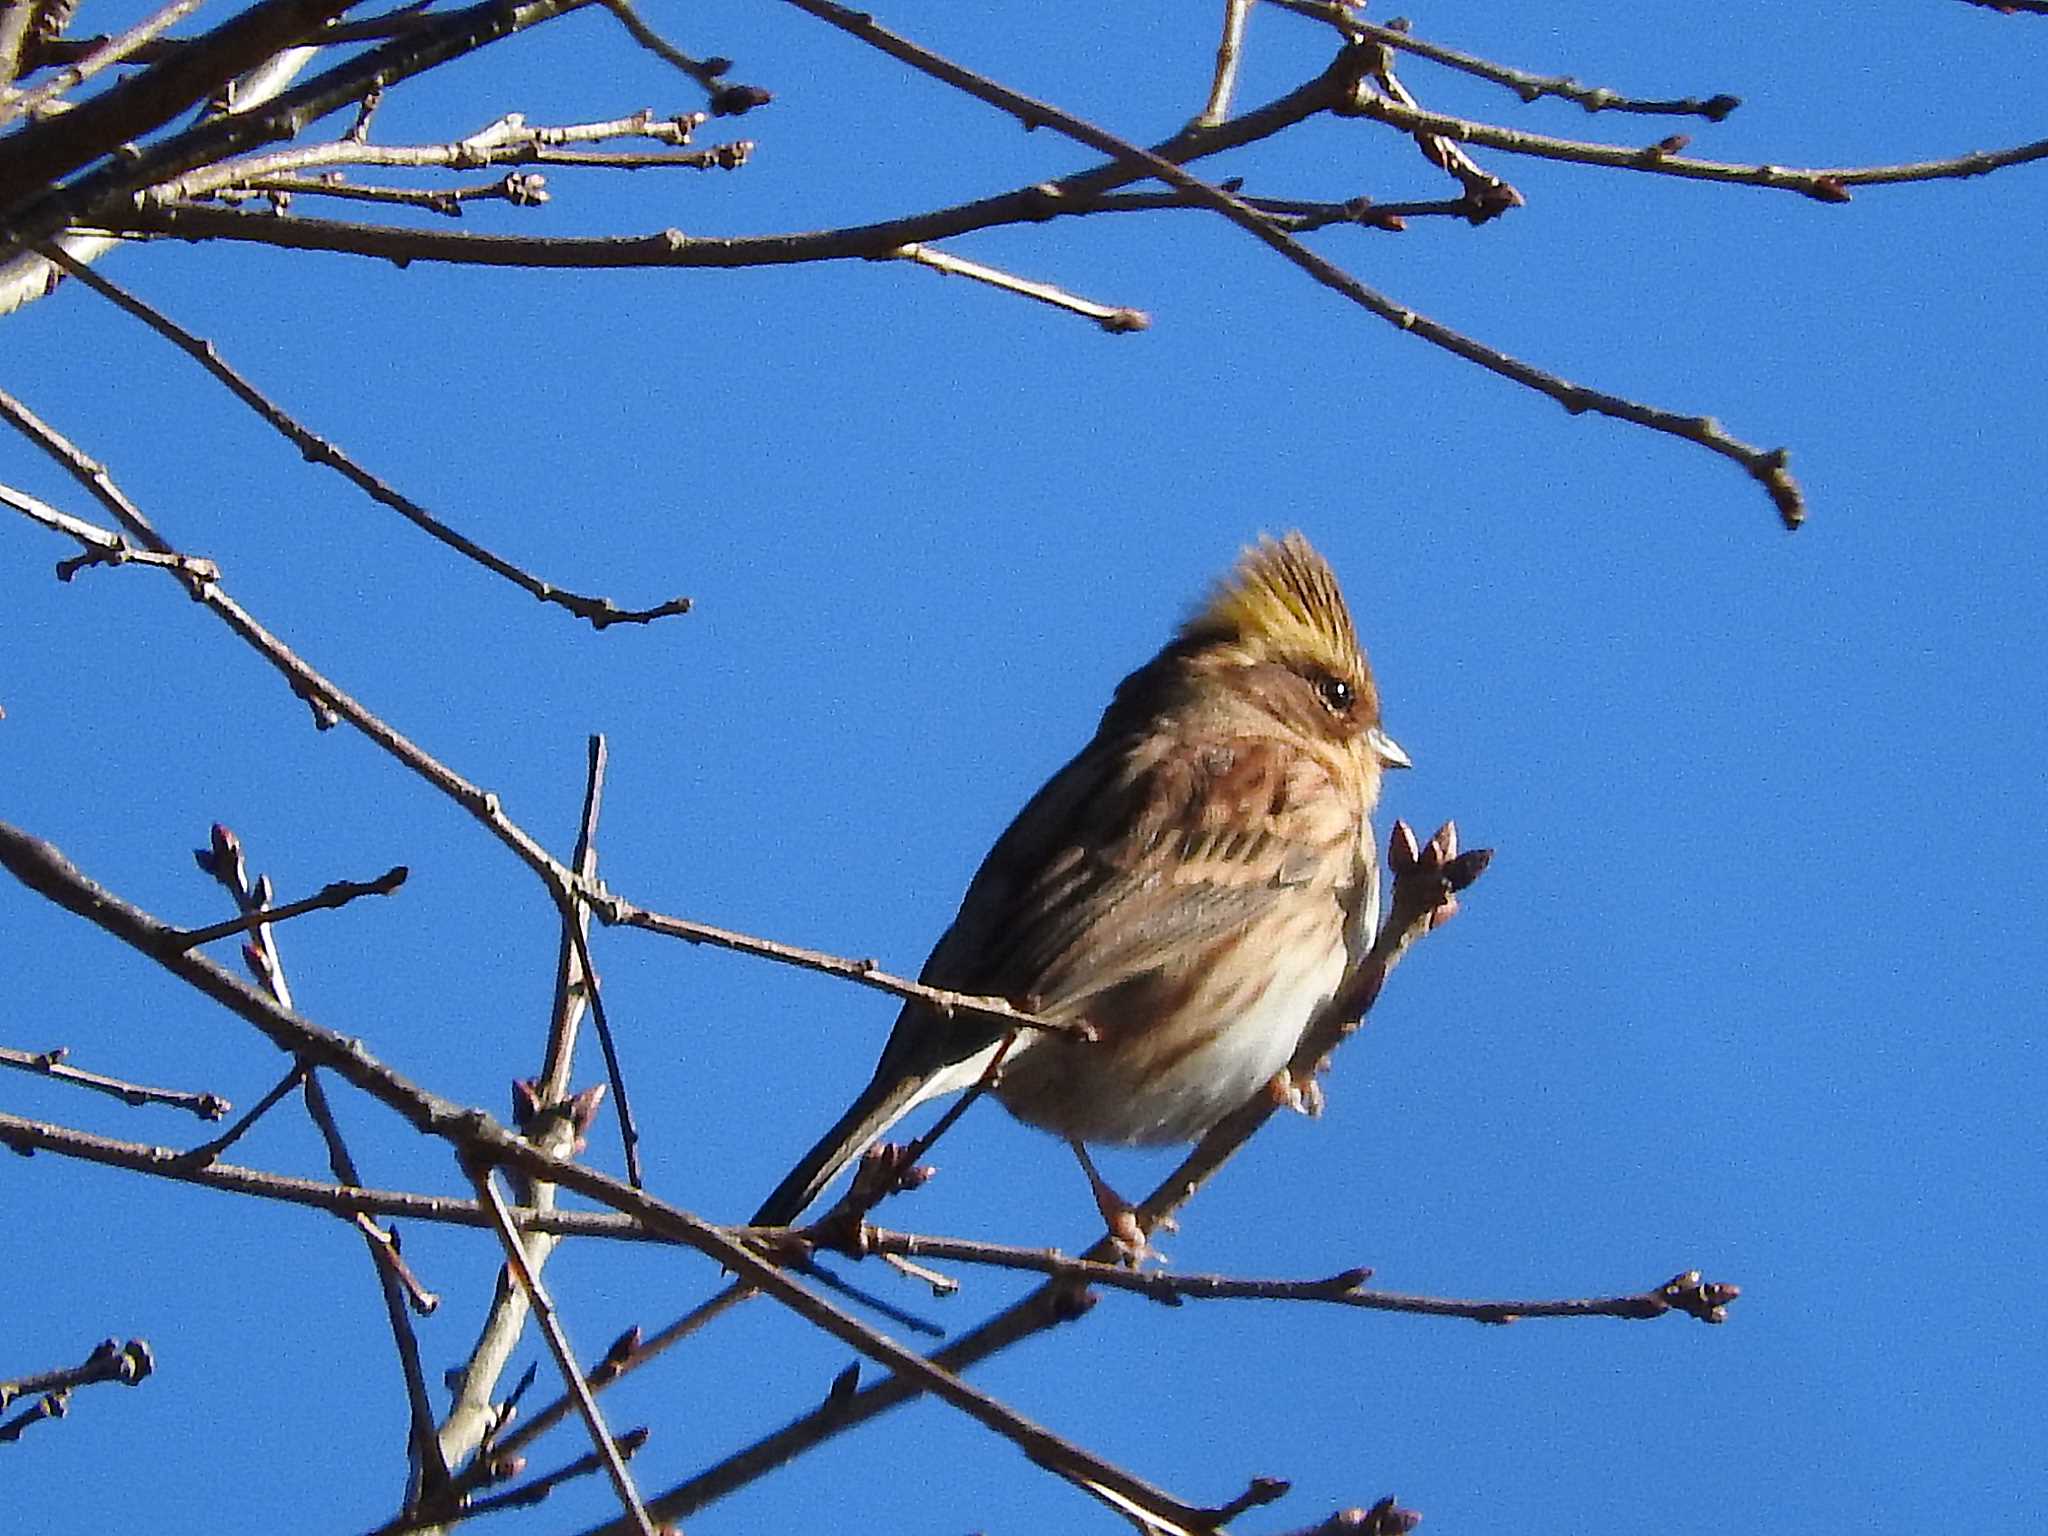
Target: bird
{"type": "Point", "coordinates": [1194, 886]}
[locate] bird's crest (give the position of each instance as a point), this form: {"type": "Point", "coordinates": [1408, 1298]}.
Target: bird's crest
{"type": "Point", "coordinates": [1284, 596]}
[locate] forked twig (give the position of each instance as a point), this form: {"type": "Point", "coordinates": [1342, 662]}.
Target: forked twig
{"type": "Point", "coordinates": [550, 1321]}
{"type": "Point", "coordinates": [111, 1360]}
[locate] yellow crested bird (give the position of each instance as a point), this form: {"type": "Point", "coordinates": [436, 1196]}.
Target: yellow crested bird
{"type": "Point", "coordinates": [1196, 884]}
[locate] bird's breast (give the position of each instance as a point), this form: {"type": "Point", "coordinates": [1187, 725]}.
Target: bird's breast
{"type": "Point", "coordinates": [1180, 1047]}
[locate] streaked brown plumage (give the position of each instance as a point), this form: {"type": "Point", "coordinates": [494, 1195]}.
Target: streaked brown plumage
{"type": "Point", "coordinates": [1195, 884]}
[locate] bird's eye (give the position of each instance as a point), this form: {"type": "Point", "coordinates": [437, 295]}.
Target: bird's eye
{"type": "Point", "coordinates": [1336, 694]}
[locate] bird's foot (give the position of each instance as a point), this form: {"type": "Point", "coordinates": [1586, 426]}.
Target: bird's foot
{"type": "Point", "coordinates": [1126, 1232]}
{"type": "Point", "coordinates": [1302, 1094]}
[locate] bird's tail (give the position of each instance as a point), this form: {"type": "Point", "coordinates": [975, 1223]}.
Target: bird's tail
{"type": "Point", "coordinates": [881, 1104]}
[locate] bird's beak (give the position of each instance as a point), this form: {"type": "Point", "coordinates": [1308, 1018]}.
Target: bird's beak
{"type": "Point", "coordinates": [1387, 749]}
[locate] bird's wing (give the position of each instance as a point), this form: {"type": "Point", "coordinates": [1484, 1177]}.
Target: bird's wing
{"type": "Point", "coordinates": [1129, 857]}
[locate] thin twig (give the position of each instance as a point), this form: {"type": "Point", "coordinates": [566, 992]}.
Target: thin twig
{"type": "Point", "coordinates": [344, 1200]}
{"type": "Point", "coordinates": [572, 980]}
{"type": "Point", "coordinates": [336, 893]}
{"type": "Point", "coordinates": [727, 100]}
{"type": "Point", "coordinates": [1529, 87]}
{"type": "Point", "coordinates": [1300, 215]}
{"type": "Point", "coordinates": [1112, 318]}
{"type": "Point", "coordinates": [400, 1293]}
{"type": "Point", "coordinates": [629, 1129]}
{"type": "Point", "coordinates": [1827, 185]}
{"type": "Point", "coordinates": [207, 1106]}
{"type": "Point", "coordinates": [1488, 195]}
{"type": "Point", "coordinates": [103, 546]}
{"type": "Point", "coordinates": [719, 157]}
{"type": "Point", "coordinates": [599, 612]}
{"type": "Point", "coordinates": [1229, 51]}
{"type": "Point", "coordinates": [1345, 1289]}
{"type": "Point", "coordinates": [208, 1152]}
{"type": "Point", "coordinates": [510, 140]}
{"type": "Point", "coordinates": [614, 909]}
{"type": "Point", "coordinates": [550, 1322]}
{"type": "Point", "coordinates": [521, 189]}
{"type": "Point", "coordinates": [88, 472]}
{"type": "Point", "coordinates": [110, 1360]}
{"type": "Point", "coordinates": [130, 1364]}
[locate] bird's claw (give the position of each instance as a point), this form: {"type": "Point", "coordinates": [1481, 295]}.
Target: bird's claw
{"type": "Point", "coordinates": [1302, 1094]}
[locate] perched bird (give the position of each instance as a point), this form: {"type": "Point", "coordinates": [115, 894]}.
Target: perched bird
{"type": "Point", "coordinates": [1195, 885]}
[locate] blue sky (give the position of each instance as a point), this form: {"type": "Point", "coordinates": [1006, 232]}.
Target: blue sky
{"type": "Point", "coordinates": [1744, 990]}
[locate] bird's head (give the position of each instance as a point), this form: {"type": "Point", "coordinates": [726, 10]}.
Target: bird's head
{"type": "Point", "coordinates": [1277, 632]}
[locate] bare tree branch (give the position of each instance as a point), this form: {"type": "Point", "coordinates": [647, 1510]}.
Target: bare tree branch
{"type": "Point", "coordinates": [482, 1142]}
{"type": "Point", "coordinates": [224, 861]}
{"type": "Point", "coordinates": [114, 50]}
{"type": "Point", "coordinates": [727, 99]}
{"type": "Point", "coordinates": [550, 1321]}
{"type": "Point", "coordinates": [336, 893]}
{"type": "Point", "coordinates": [508, 141]}
{"type": "Point", "coordinates": [1345, 1289]}
{"type": "Point", "coordinates": [130, 1364]}
{"type": "Point", "coordinates": [50, 1064]}
{"type": "Point", "coordinates": [207, 1152]}
{"type": "Point", "coordinates": [38, 214]}
{"type": "Point", "coordinates": [1530, 87]}
{"type": "Point", "coordinates": [1112, 318]}
{"type": "Point", "coordinates": [599, 612]}
{"type": "Point", "coordinates": [43, 154]}
{"type": "Point", "coordinates": [1229, 54]}
{"type": "Point", "coordinates": [347, 1201]}
{"type": "Point", "coordinates": [1823, 185]}
{"type": "Point", "coordinates": [1765, 466]}
{"type": "Point", "coordinates": [88, 472]}
{"type": "Point", "coordinates": [547, 1118]}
